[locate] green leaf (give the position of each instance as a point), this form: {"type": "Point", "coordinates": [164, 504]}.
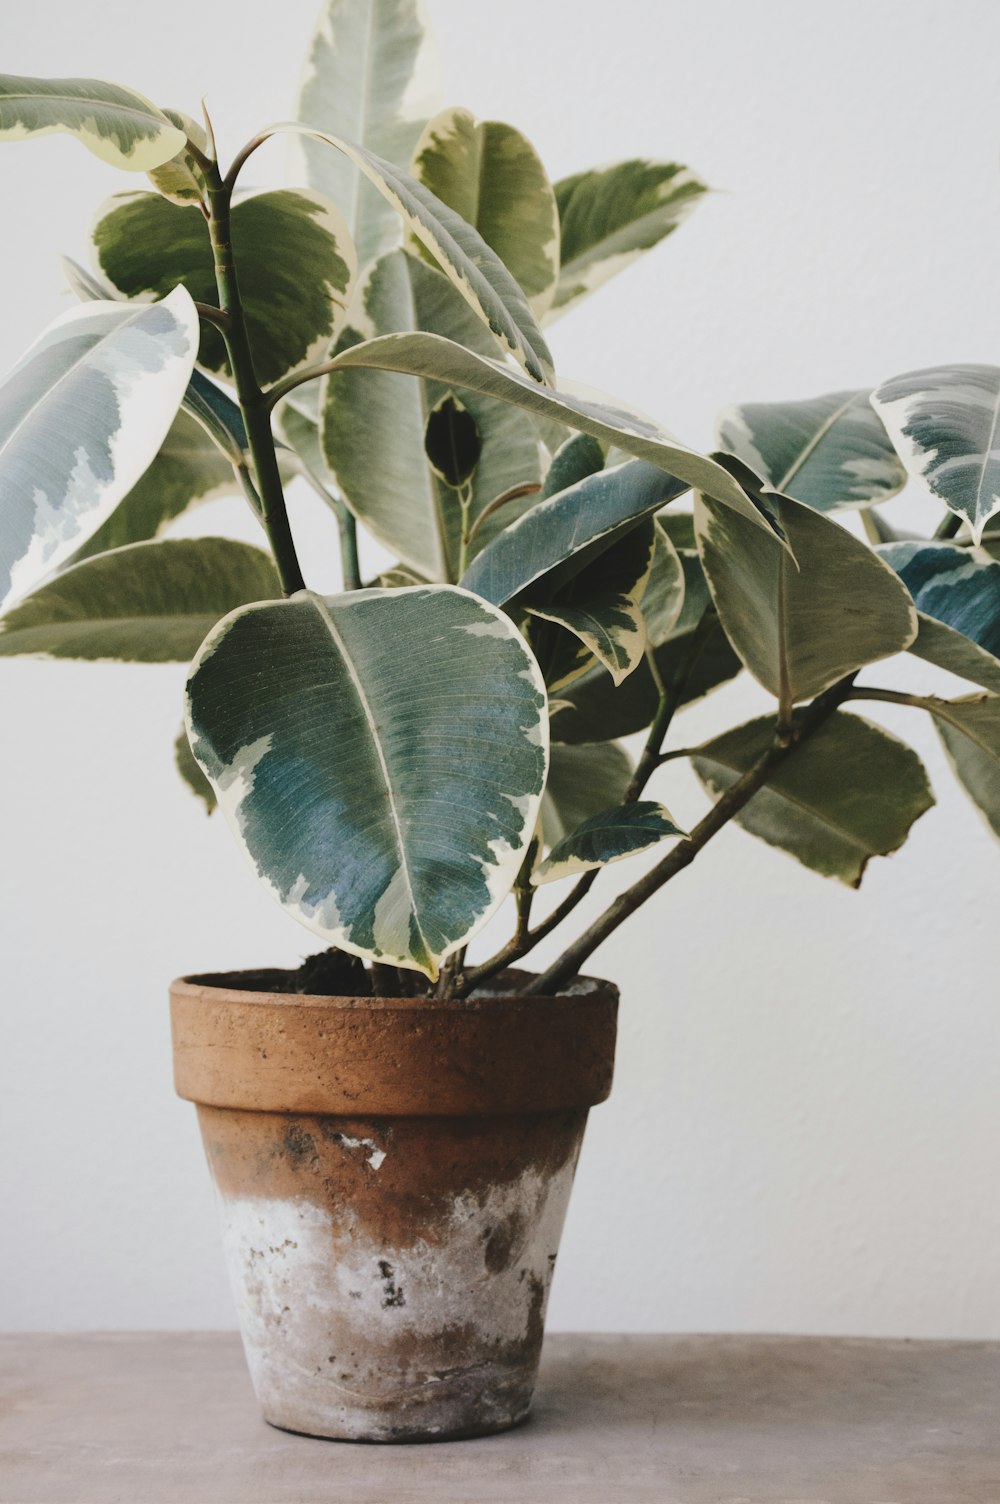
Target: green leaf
{"type": "Point", "coordinates": [180, 180]}
{"type": "Point", "coordinates": [371, 77]}
{"type": "Point", "coordinates": [452, 442]}
{"type": "Point", "coordinates": [850, 792]}
{"type": "Point", "coordinates": [145, 603]}
{"type": "Point", "coordinates": [438, 359]}
{"type": "Point", "coordinates": [582, 781]}
{"type": "Point", "coordinates": [957, 596]}
{"type": "Point", "coordinates": [663, 600]}
{"type": "Point", "coordinates": [576, 458]}
{"type": "Point", "coordinates": [800, 624]}
{"type": "Point", "coordinates": [81, 416]}
{"type": "Point", "coordinates": [608, 837]}
{"type": "Point", "coordinates": [188, 471]}
{"type": "Point", "coordinates": [375, 425]}
{"type": "Point", "coordinates": [492, 176]}
{"type": "Point", "coordinates": [611, 215]}
{"type": "Point", "coordinates": [116, 124]}
{"type": "Point", "coordinates": [970, 731]}
{"type": "Point", "coordinates": [945, 423]}
{"type": "Point", "coordinates": [191, 773]}
{"type": "Point", "coordinates": [380, 756]}
{"type": "Point", "coordinates": [294, 256]}
{"type": "Point", "coordinates": [830, 452]}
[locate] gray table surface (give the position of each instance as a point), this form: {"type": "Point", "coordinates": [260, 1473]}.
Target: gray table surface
{"type": "Point", "coordinates": [153, 1418]}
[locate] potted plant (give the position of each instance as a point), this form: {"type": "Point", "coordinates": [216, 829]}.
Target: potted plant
{"type": "Point", "coordinates": [393, 1127]}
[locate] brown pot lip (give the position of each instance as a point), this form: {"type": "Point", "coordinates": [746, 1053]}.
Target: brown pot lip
{"type": "Point", "coordinates": [384, 1057]}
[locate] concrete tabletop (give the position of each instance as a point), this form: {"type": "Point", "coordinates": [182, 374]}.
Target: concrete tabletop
{"type": "Point", "coordinates": [147, 1418]}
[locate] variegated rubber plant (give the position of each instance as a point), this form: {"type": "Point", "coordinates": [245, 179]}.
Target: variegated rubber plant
{"type": "Point", "coordinates": [397, 759]}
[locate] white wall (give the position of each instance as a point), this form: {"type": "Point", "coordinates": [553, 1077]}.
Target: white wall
{"type": "Point", "coordinates": [804, 1131]}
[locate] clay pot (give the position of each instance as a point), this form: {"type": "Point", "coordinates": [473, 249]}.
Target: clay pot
{"type": "Point", "coordinates": [394, 1175]}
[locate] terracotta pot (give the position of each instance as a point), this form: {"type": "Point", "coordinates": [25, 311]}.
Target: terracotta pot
{"type": "Point", "coordinates": [394, 1175]}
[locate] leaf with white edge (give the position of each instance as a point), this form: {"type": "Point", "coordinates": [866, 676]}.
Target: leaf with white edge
{"type": "Point", "coordinates": [452, 442]}
{"type": "Point", "coordinates": [800, 624]}
{"type": "Point", "coordinates": [439, 359]}
{"type": "Point", "coordinates": [117, 124]}
{"type": "Point", "coordinates": [459, 250]}
{"type": "Point", "coordinates": [831, 452]}
{"type": "Point", "coordinates": [181, 180]}
{"type": "Point", "coordinates": [371, 77]}
{"type": "Point", "coordinates": [608, 837]}
{"type": "Point", "coordinates": [663, 600]}
{"type": "Point", "coordinates": [375, 427]}
{"type": "Point", "coordinates": [145, 603]}
{"type": "Point", "coordinates": [576, 458]}
{"type": "Point", "coordinates": [945, 424]}
{"type": "Point", "coordinates": [82, 414]}
{"type": "Point", "coordinates": [970, 731]}
{"type": "Point", "coordinates": [611, 215]}
{"type": "Point", "coordinates": [493, 177]}
{"type": "Point", "coordinates": [191, 773]}
{"type": "Point", "coordinates": [613, 630]}
{"type": "Point", "coordinates": [957, 596]}
{"type": "Point", "coordinates": [583, 780]}
{"type": "Point", "coordinates": [295, 259]}
{"type": "Point", "coordinates": [380, 756]}
{"type": "Point", "coordinates": [850, 792]}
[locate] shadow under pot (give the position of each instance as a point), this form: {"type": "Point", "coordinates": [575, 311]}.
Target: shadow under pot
{"type": "Point", "coordinates": [394, 1175]}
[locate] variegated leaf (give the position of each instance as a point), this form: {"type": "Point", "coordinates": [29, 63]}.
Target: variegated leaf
{"type": "Point", "coordinates": [181, 179]}
{"type": "Point", "coordinates": [608, 837]}
{"type": "Point", "coordinates": [663, 600]}
{"type": "Point", "coordinates": [576, 458]}
{"type": "Point", "coordinates": [830, 452]}
{"type": "Point", "coordinates": [117, 124]}
{"type": "Point", "coordinates": [582, 781]}
{"type": "Point", "coordinates": [613, 630]}
{"type": "Point", "coordinates": [438, 359]}
{"type": "Point", "coordinates": [460, 251]}
{"type": "Point", "coordinates": [957, 596]}
{"type": "Point", "coordinates": [371, 77]}
{"type": "Point", "coordinates": [380, 756]}
{"type": "Point", "coordinates": [145, 603]}
{"type": "Point", "coordinates": [609, 216]}
{"type": "Point", "coordinates": [945, 423]}
{"type": "Point", "coordinates": [800, 624]}
{"type": "Point", "coordinates": [492, 176]}
{"type": "Point", "coordinates": [970, 731]}
{"type": "Point", "coordinates": [850, 792]}
{"type": "Point", "coordinates": [375, 422]}
{"type": "Point", "coordinates": [81, 416]}
{"type": "Point", "coordinates": [294, 256]}
{"type": "Point", "coordinates": [191, 773]}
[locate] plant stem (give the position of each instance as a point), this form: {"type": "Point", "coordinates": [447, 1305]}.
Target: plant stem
{"type": "Point", "coordinates": [683, 854]}
{"type": "Point", "coordinates": [950, 526]}
{"type": "Point", "coordinates": [347, 527]}
{"type": "Point", "coordinates": [255, 411]}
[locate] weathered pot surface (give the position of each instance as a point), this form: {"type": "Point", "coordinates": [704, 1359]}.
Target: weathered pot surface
{"type": "Point", "coordinates": [394, 1175]}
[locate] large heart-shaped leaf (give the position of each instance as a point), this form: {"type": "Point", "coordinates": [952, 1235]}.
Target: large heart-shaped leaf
{"type": "Point", "coordinates": [611, 215]}
{"type": "Point", "coordinates": [438, 359]}
{"type": "Point", "coordinates": [800, 624]}
{"type": "Point", "coordinates": [117, 124]}
{"type": "Point", "coordinates": [371, 77]}
{"type": "Point", "coordinates": [380, 756]}
{"type": "Point", "coordinates": [945, 422]}
{"type": "Point", "coordinates": [492, 176]}
{"type": "Point", "coordinates": [970, 730]}
{"type": "Point", "coordinates": [608, 837]}
{"type": "Point", "coordinates": [145, 603]}
{"type": "Point", "coordinates": [460, 251]}
{"type": "Point", "coordinates": [375, 423]}
{"type": "Point", "coordinates": [81, 416]}
{"type": "Point", "coordinates": [850, 792]}
{"type": "Point", "coordinates": [958, 606]}
{"type": "Point", "coordinates": [293, 253]}
{"type": "Point", "coordinates": [582, 781]}
{"type": "Point", "coordinates": [831, 452]}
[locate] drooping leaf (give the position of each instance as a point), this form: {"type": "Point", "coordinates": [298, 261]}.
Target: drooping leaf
{"type": "Point", "coordinates": [970, 731]}
{"type": "Point", "coordinates": [945, 423]}
{"type": "Point", "coordinates": [188, 471]}
{"type": "Point", "coordinates": [380, 756]}
{"type": "Point", "coordinates": [81, 416]}
{"type": "Point", "coordinates": [181, 180]}
{"type": "Point", "coordinates": [611, 215]}
{"type": "Point", "coordinates": [583, 780]}
{"type": "Point", "coordinates": [294, 257]}
{"type": "Point", "coordinates": [460, 251]}
{"type": "Point", "coordinates": [830, 452]}
{"type": "Point", "coordinates": [663, 600]}
{"type": "Point", "coordinates": [116, 124]}
{"type": "Point", "coordinates": [452, 442]}
{"type": "Point", "coordinates": [145, 603]}
{"type": "Point", "coordinates": [375, 425]}
{"type": "Point", "coordinates": [191, 773]}
{"type": "Point", "coordinates": [957, 596]}
{"type": "Point", "coordinates": [608, 837]}
{"type": "Point", "coordinates": [576, 458]}
{"type": "Point", "coordinates": [371, 77]}
{"type": "Point", "coordinates": [492, 176]}
{"type": "Point", "coordinates": [800, 624]}
{"type": "Point", "coordinates": [443, 360]}
{"type": "Point", "coordinates": [848, 793]}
